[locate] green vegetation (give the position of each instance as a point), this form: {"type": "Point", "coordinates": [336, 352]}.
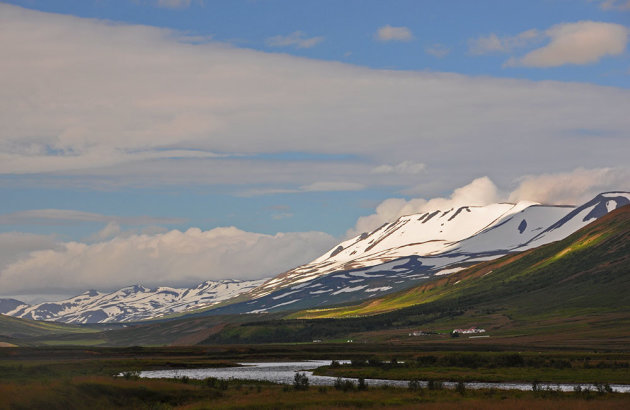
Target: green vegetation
{"type": "Point", "coordinates": [15, 328]}
{"type": "Point", "coordinates": [78, 378]}
{"type": "Point", "coordinates": [493, 367]}
{"type": "Point", "coordinates": [103, 392]}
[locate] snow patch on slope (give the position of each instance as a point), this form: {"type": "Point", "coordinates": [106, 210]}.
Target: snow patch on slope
{"type": "Point", "coordinates": [133, 303]}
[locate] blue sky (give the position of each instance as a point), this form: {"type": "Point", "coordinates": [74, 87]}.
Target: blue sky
{"type": "Point", "coordinates": [348, 28]}
{"type": "Point", "coordinates": [126, 120]}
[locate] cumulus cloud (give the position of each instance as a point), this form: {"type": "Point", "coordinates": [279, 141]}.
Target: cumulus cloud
{"type": "Point", "coordinates": [405, 167]}
{"type": "Point", "coordinates": [437, 50]}
{"type": "Point", "coordinates": [390, 33]}
{"type": "Point", "coordinates": [481, 191]}
{"type": "Point", "coordinates": [495, 44]}
{"type": "Point", "coordinates": [583, 42]}
{"type": "Point", "coordinates": [15, 245]}
{"type": "Point", "coordinates": [297, 39]}
{"type": "Point", "coordinates": [563, 188]}
{"type": "Point", "coordinates": [103, 103]}
{"type": "Point", "coordinates": [572, 187]}
{"type": "Point", "coordinates": [172, 258]}
{"type": "Point", "coordinates": [111, 230]}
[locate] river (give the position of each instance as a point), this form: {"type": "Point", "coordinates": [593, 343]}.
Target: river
{"type": "Point", "coordinates": [284, 373]}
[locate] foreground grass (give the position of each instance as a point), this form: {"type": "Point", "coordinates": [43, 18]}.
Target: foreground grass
{"type": "Point", "coordinates": [107, 392]}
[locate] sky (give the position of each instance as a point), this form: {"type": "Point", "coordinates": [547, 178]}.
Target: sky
{"type": "Point", "coordinates": [168, 142]}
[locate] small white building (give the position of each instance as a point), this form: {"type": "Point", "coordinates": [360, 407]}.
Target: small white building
{"type": "Point", "coordinates": [469, 331]}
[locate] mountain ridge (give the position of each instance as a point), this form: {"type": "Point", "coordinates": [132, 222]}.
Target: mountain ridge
{"type": "Point", "coordinates": [574, 292]}
{"type": "Point", "coordinates": [128, 304]}
{"type": "Point", "coordinates": [504, 228]}
{"type": "Point", "coordinates": [587, 236]}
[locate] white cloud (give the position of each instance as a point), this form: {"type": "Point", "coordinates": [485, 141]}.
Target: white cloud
{"type": "Point", "coordinates": [283, 215]}
{"type": "Point", "coordinates": [583, 42]}
{"type": "Point", "coordinates": [173, 4]}
{"type": "Point", "coordinates": [42, 264]}
{"type": "Point", "coordinates": [111, 230]}
{"type": "Point", "coordinates": [319, 186]}
{"type": "Point", "coordinates": [118, 104]}
{"type": "Point", "coordinates": [69, 216]}
{"type": "Point", "coordinates": [622, 5]}
{"type": "Point", "coordinates": [389, 33]}
{"type": "Point", "coordinates": [480, 191]}
{"type": "Point", "coordinates": [15, 245]}
{"type": "Point", "coordinates": [297, 39]}
{"type": "Point", "coordinates": [572, 187]}
{"type": "Point", "coordinates": [405, 167]}
{"type": "Point", "coordinates": [332, 186]}
{"type": "Point", "coordinates": [172, 258]}
{"type": "Point", "coordinates": [437, 50]}
{"type": "Point", "coordinates": [495, 44]}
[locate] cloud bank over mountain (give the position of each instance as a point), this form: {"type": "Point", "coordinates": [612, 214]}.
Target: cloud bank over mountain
{"type": "Point", "coordinates": [566, 188]}
{"type": "Point", "coordinates": [114, 258]}
{"type": "Point", "coordinates": [171, 258]}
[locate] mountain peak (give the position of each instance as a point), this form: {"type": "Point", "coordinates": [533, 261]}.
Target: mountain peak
{"type": "Point", "coordinates": [436, 241]}
{"type": "Point", "coordinates": [131, 303]}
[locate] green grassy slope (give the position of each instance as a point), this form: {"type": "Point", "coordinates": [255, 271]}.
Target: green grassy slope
{"type": "Point", "coordinates": [588, 270]}
{"type": "Point", "coordinates": [578, 283]}
{"type": "Point", "coordinates": [12, 328]}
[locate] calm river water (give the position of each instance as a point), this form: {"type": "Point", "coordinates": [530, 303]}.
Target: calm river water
{"type": "Point", "coordinates": [284, 372]}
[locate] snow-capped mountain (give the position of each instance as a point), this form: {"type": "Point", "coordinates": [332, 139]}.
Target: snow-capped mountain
{"type": "Point", "coordinates": [393, 257]}
{"type": "Point", "coordinates": [416, 247]}
{"type": "Point", "coordinates": [132, 303]}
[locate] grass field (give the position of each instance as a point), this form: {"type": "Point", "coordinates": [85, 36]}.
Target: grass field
{"type": "Point", "coordinates": [63, 378]}
{"type": "Point", "coordinates": [556, 367]}
{"type": "Point", "coordinates": [103, 392]}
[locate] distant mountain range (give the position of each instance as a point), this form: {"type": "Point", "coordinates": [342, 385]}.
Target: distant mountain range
{"type": "Point", "coordinates": [133, 303]}
{"type": "Point", "coordinates": [396, 256]}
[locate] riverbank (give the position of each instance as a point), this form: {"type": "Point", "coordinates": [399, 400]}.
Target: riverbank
{"type": "Point", "coordinates": [79, 377]}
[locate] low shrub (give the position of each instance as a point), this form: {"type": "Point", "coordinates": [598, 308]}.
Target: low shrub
{"type": "Point", "coordinates": [414, 385]}
{"type": "Point", "coordinates": [300, 381]}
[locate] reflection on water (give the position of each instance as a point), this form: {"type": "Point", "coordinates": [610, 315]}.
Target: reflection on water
{"type": "Point", "coordinates": [284, 372]}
